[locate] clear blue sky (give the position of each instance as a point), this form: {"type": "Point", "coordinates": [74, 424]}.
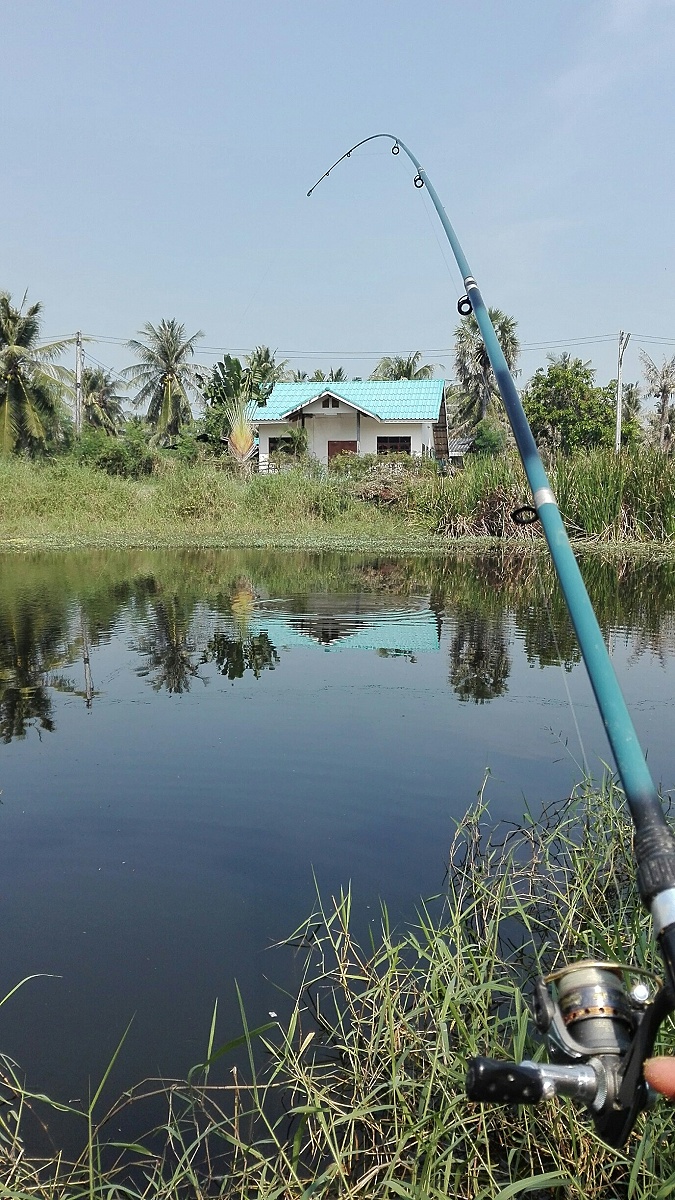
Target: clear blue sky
{"type": "Point", "coordinates": [156, 156]}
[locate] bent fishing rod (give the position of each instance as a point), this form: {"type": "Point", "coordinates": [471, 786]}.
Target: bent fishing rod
{"type": "Point", "coordinates": [598, 1032]}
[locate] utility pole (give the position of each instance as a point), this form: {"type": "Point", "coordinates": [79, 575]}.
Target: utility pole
{"type": "Point", "coordinates": [624, 339]}
{"type": "Point", "coordinates": [78, 384]}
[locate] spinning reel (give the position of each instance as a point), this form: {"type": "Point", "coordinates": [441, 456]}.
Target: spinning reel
{"type": "Point", "coordinates": [598, 1036]}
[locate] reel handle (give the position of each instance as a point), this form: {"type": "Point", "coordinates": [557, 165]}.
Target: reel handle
{"type": "Point", "coordinates": [489, 1080]}
{"type": "Point", "coordinates": [497, 1082]}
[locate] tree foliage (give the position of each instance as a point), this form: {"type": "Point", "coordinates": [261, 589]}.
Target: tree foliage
{"type": "Point", "coordinates": [32, 384]}
{"type": "Point", "coordinates": [164, 375]}
{"type": "Point", "coordinates": [660, 383]}
{"type": "Point", "coordinates": [567, 411]}
{"type": "Point", "coordinates": [261, 373]}
{"type": "Point", "coordinates": [335, 375]}
{"type": "Point", "coordinates": [403, 367]}
{"type": "Point", "coordinates": [489, 437]}
{"type": "Point", "coordinates": [223, 386]}
{"type": "Point", "coordinates": [472, 365]}
{"type": "Point", "coordinates": [101, 401]}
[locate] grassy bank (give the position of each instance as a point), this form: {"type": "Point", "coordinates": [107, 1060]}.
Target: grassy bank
{"type": "Point", "coordinates": [604, 499]}
{"type": "Point", "coordinates": [367, 1068]}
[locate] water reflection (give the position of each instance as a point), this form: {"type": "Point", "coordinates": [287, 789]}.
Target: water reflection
{"type": "Point", "coordinates": [479, 658]}
{"type": "Point", "coordinates": [243, 610]}
{"type": "Point", "coordinates": [32, 651]}
{"type": "Point", "coordinates": [235, 655]}
{"type": "Point", "coordinates": [168, 647]}
{"type": "Point", "coordinates": [170, 831]}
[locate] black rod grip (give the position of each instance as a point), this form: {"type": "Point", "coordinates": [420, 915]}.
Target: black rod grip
{"type": "Point", "coordinates": [503, 1082]}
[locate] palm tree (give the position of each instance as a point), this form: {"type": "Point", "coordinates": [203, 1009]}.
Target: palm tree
{"type": "Point", "coordinates": [261, 373]}
{"type": "Point", "coordinates": [298, 376]}
{"type": "Point", "coordinates": [335, 375]}
{"type": "Point", "coordinates": [660, 383]}
{"type": "Point", "coordinates": [479, 658]}
{"type": "Point", "coordinates": [472, 364]}
{"type": "Point", "coordinates": [102, 406]}
{"type": "Point", "coordinates": [31, 383]}
{"type": "Point", "coordinates": [400, 367]}
{"type": "Point", "coordinates": [169, 648]}
{"type": "Point", "coordinates": [164, 375]}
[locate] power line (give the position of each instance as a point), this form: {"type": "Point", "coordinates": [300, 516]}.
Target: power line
{"type": "Point", "coordinates": [441, 352]}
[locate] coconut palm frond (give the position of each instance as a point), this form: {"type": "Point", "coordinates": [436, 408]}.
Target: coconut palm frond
{"type": "Point", "coordinates": [472, 365]}
{"type": "Point", "coordinates": [403, 367]}
{"type": "Point", "coordinates": [164, 375]}
{"type": "Point", "coordinates": [660, 383]}
{"type": "Point", "coordinates": [31, 383]}
{"type": "Point", "coordinates": [101, 402]}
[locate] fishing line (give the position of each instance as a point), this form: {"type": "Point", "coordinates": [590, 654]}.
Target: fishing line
{"type": "Point", "coordinates": [451, 269]}
{"type": "Point", "coordinates": [563, 672]}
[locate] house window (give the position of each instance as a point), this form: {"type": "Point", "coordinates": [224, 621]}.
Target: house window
{"type": "Point", "coordinates": [282, 445]}
{"type": "Point", "coordinates": [335, 403]}
{"type": "Point", "coordinates": [393, 445]}
{"type": "Point", "coordinates": [325, 403]}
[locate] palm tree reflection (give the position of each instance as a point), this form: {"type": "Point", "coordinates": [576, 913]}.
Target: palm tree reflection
{"type": "Point", "coordinates": [168, 647]}
{"type": "Point", "coordinates": [479, 658]}
{"type": "Point", "coordinates": [244, 651]}
{"type": "Point", "coordinates": [235, 655]}
{"type": "Point", "coordinates": [29, 651]}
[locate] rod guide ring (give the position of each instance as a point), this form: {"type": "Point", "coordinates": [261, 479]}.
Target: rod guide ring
{"type": "Point", "coordinates": [525, 515]}
{"type": "Point", "coordinates": [418, 181]}
{"type": "Point", "coordinates": [464, 306]}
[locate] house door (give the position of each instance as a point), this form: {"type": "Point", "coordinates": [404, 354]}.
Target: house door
{"type": "Point", "coordinates": [341, 448]}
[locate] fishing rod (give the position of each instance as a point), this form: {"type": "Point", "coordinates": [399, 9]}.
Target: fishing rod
{"type": "Point", "coordinates": [598, 1032]}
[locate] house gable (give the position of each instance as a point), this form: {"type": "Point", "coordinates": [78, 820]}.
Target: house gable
{"type": "Point", "coordinates": [327, 403]}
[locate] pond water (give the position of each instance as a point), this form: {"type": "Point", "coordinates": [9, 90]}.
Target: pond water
{"type": "Point", "coordinates": [189, 740]}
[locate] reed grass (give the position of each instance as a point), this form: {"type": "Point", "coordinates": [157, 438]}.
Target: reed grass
{"type": "Point", "coordinates": [359, 1092]}
{"type": "Point", "coordinates": [602, 496]}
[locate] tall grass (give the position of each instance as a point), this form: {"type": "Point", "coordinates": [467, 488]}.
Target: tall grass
{"type": "Point", "coordinates": [602, 498]}
{"type": "Point", "coordinates": [601, 495]}
{"type": "Point", "coordinates": [68, 500]}
{"type": "Point", "coordinates": [359, 1092]}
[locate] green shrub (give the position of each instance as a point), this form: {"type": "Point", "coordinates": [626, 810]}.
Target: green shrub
{"type": "Point", "coordinates": [128, 455]}
{"type": "Point", "coordinates": [489, 437]}
{"type": "Point", "coordinates": [293, 493]}
{"type": "Point", "coordinates": [358, 466]}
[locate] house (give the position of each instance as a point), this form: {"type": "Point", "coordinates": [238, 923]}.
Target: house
{"type": "Point", "coordinates": [362, 417]}
{"type": "Point", "coordinates": [458, 448]}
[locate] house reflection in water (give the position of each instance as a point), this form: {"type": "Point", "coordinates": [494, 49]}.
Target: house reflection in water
{"type": "Point", "coordinates": [352, 622]}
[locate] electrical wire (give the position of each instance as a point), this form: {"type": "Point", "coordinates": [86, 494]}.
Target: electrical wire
{"type": "Point", "coordinates": [443, 352]}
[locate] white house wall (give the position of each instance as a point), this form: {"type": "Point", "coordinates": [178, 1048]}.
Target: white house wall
{"type": "Point", "coordinates": [324, 425]}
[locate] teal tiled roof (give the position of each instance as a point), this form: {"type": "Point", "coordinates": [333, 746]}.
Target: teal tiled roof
{"type": "Point", "coordinates": [390, 400]}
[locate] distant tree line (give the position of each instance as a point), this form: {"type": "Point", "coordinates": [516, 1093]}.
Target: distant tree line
{"type": "Point", "coordinates": [567, 409]}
